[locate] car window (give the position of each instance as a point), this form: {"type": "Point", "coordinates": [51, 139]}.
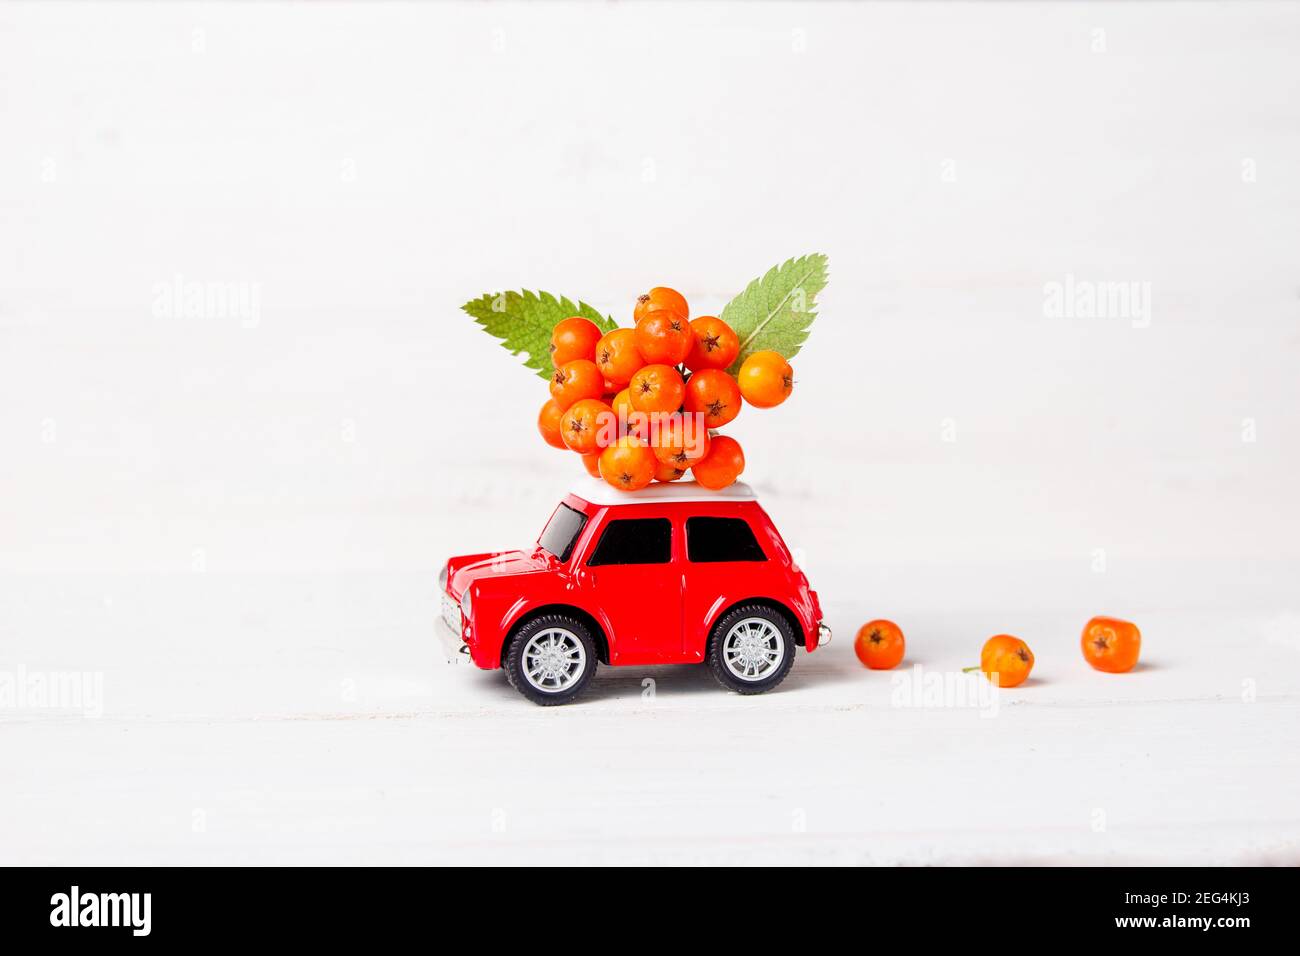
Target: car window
{"type": "Point", "coordinates": [634, 541]}
{"type": "Point", "coordinates": [721, 539]}
{"type": "Point", "coordinates": [562, 530]}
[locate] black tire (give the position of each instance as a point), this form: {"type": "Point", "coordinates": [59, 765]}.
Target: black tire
{"type": "Point", "coordinates": [779, 630]}
{"type": "Point", "coordinates": [535, 690]}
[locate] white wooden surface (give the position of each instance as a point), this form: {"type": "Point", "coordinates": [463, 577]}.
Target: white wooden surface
{"type": "Point", "coordinates": [237, 524]}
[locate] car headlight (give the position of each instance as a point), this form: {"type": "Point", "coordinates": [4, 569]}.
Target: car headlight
{"type": "Point", "coordinates": [442, 578]}
{"type": "Point", "coordinates": [465, 604]}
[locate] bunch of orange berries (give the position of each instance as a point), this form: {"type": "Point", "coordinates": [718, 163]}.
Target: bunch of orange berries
{"type": "Point", "coordinates": [643, 404]}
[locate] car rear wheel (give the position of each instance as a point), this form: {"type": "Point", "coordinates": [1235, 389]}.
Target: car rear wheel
{"type": "Point", "coordinates": [551, 659]}
{"type": "Point", "coordinates": [751, 649]}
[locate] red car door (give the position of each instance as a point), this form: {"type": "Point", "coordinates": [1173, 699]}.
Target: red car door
{"type": "Point", "coordinates": [632, 582]}
{"type": "Point", "coordinates": [724, 563]}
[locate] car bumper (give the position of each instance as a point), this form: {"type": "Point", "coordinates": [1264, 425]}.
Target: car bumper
{"type": "Point", "coordinates": [450, 642]}
{"type": "Point", "coordinates": [451, 647]}
{"type": "Point", "coordinates": [823, 636]}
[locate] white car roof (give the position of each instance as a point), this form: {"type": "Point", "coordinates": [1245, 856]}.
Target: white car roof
{"type": "Point", "coordinates": [597, 491]}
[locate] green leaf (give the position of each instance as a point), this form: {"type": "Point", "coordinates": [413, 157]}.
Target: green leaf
{"type": "Point", "coordinates": [774, 312]}
{"type": "Point", "coordinates": [523, 322]}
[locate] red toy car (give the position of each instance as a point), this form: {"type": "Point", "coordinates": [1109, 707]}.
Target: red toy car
{"type": "Point", "coordinates": [670, 574]}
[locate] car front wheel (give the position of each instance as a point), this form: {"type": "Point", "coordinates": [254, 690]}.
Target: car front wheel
{"type": "Point", "coordinates": [751, 649]}
{"type": "Point", "coordinates": [551, 659]}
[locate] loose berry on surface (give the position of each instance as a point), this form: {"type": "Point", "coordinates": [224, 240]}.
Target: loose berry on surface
{"type": "Point", "coordinates": [1005, 660]}
{"type": "Point", "coordinates": [1111, 645]}
{"type": "Point", "coordinates": [879, 645]}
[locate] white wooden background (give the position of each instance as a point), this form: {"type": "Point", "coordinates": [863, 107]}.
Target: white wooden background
{"type": "Point", "coordinates": [235, 522]}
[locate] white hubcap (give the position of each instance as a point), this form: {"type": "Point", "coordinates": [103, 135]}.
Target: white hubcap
{"type": "Point", "coordinates": [753, 649]}
{"type": "Point", "coordinates": [554, 659]}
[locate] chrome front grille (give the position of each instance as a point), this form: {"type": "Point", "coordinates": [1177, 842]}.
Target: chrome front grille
{"type": "Point", "coordinates": [451, 614]}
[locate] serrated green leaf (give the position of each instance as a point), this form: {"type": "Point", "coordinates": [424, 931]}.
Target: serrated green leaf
{"type": "Point", "coordinates": [775, 312]}
{"type": "Point", "coordinates": [523, 321]}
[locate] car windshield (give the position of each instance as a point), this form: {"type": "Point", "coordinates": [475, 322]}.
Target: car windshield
{"type": "Point", "coordinates": [562, 531]}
